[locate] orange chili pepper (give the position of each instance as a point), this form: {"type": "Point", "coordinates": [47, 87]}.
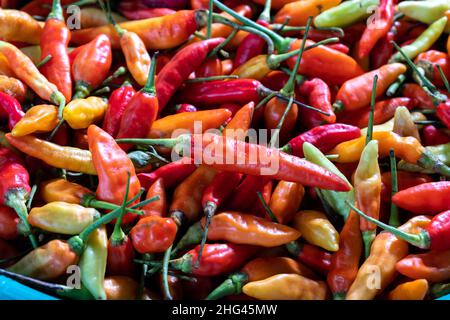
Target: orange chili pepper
{"type": "Point", "coordinates": [298, 12]}
{"type": "Point", "coordinates": [13, 87]}
{"type": "Point", "coordinates": [433, 266]}
{"type": "Point", "coordinates": [412, 290]}
{"type": "Point", "coordinates": [158, 207]}
{"type": "Point", "coordinates": [17, 25]}
{"type": "Point", "coordinates": [285, 200]}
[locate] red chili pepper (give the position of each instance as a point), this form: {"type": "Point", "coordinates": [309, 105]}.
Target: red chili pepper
{"type": "Point", "coordinates": [91, 65]}
{"type": "Point", "coordinates": [431, 136]}
{"type": "Point", "coordinates": [383, 49]}
{"type": "Point", "coordinates": [118, 101]}
{"type": "Point", "coordinates": [73, 54]}
{"type": "Point", "coordinates": [443, 112]}
{"type": "Point", "coordinates": [9, 223]}
{"type": "Point", "coordinates": [55, 39]}
{"type": "Point", "coordinates": [275, 80]}
{"type": "Point", "coordinates": [429, 61]}
{"type": "Point", "coordinates": [339, 47]}
{"type": "Point", "coordinates": [405, 180]}
{"type": "Point", "coordinates": [324, 137]}
{"type": "Point", "coordinates": [378, 28]}
{"type": "Point", "coordinates": [245, 194]}
{"type": "Point", "coordinates": [180, 67]}
{"type": "Point", "coordinates": [11, 108]}
{"type": "Point", "coordinates": [185, 107]}
{"type": "Point", "coordinates": [120, 257]}
{"type": "Point", "coordinates": [141, 111]}
{"type": "Point", "coordinates": [153, 234]}
{"type": "Point", "coordinates": [312, 256]}
{"type": "Point", "coordinates": [421, 98]}
{"type": "Point", "coordinates": [319, 96]}
{"type": "Point", "coordinates": [250, 47]}
{"type": "Point", "coordinates": [172, 173]}
{"type": "Point", "coordinates": [217, 259]}
{"type": "Point", "coordinates": [146, 13]}
{"type": "Point", "coordinates": [158, 207]}
{"type": "Point", "coordinates": [209, 68]}
{"type": "Point", "coordinates": [266, 194]}
{"type": "Point", "coordinates": [14, 187]}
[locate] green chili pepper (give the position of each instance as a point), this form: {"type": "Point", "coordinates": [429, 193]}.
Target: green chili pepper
{"type": "Point", "coordinates": [336, 200]}
{"type": "Point", "coordinates": [425, 11]}
{"type": "Point", "coordinates": [93, 263]}
{"type": "Point", "coordinates": [345, 14]}
{"type": "Point", "coordinates": [423, 42]}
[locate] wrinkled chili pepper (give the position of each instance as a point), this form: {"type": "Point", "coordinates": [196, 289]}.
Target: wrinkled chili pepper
{"type": "Point", "coordinates": [39, 118]}
{"type": "Point", "coordinates": [158, 207]}
{"type": "Point", "coordinates": [13, 87]}
{"type": "Point", "coordinates": [11, 108]}
{"type": "Point", "coordinates": [429, 60]}
{"type": "Point", "coordinates": [153, 234]}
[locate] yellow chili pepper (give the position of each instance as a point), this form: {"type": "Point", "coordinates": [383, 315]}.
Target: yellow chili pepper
{"type": "Point", "coordinates": [412, 290]}
{"type": "Point", "coordinates": [286, 287]}
{"type": "Point", "coordinates": [62, 217]}
{"type": "Point", "coordinates": [368, 191]}
{"type": "Point", "coordinates": [62, 190]}
{"type": "Point", "coordinates": [404, 124]}
{"type": "Point", "coordinates": [16, 25]}
{"type": "Point", "coordinates": [40, 118]}
{"type": "Point", "coordinates": [378, 271]}
{"type": "Point", "coordinates": [299, 11]}
{"type": "Point", "coordinates": [316, 229]}
{"type": "Point", "coordinates": [389, 125]}
{"type": "Point", "coordinates": [5, 70]}
{"type": "Point", "coordinates": [81, 113]}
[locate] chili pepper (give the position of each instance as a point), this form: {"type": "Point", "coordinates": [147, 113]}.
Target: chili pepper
{"type": "Point", "coordinates": [328, 58]}
{"type": "Point", "coordinates": [431, 136]}
{"type": "Point", "coordinates": [217, 259]}
{"type": "Point", "coordinates": [120, 288]}
{"type": "Point", "coordinates": [286, 287]}
{"type": "Point", "coordinates": [334, 199]}
{"type": "Point", "coordinates": [210, 68]}
{"type": "Point", "coordinates": [286, 200]}
{"type": "Point", "coordinates": [320, 96]}
{"type": "Point", "coordinates": [355, 93]}
{"type": "Point", "coordinates": [159, 207]}
{"type": "Point", "coordinates": [434, 237]}
{"type": "Point", "coordinates": [111, 164]}
{"type": "Point", "coordinates": [404, 124]}
{"type": "Point", "coordinates": [258, 269]}
{"type": "Point", "coordinates": [443, 113]}
{"type": "Point", "coordinates": [423, 42]}
{"type": "Point", "coordinates": [427, 12]}
{"type": "Point", "coordinates": [153, 234]}
{"type": "Point", "coordinates": [377, 28]}
{"type": "Point", "coordinates": [81, 113]}
{"type": "Point", "coordinates": [433, 266]}
{"type": "Point", "coordinates": [383, 111]}
{"type": "Point", "coordinates": [62, 217]}
{"type": "Point", "coordinates": [166, 126]}
{"type": "Point", "coordinates": [345, 14]}
{"type": "Point", "coordinates": [412, 290]}
{"type": "Point", "coordinates": [324, 138]}
{"type": "Point", "coordinates": [17, 25]}
{"type": "Point", "coordinates": [12, 108]}
{"type": "Point", "coordinates": [159, 33]}
{"type": "Point", "coordinates": [54, 42]}
{"type": "Point", "coordinates": [316, 229]}
{"type": "Point", "coordinates": [118, 101]}
{"type": "Point", "coordinates": [427, 198]}
{"type": "Point", "coordinates": [310, 255]}
{"type": "Point", "coordinates": [406, 148]}
{"type": "Point", "coordinates": [345, 261]}
{"type": "Point", "coordinates": [63, 191]}
{"type": "Point", "coordinates": [429, 61]}
{"type": "Point", "coordinates": [40, 118]}
{"type": "Point", "coordinates": [419, 96]}
{"type": "Point", "coordinates": [368, 191]}
{"type": "Point", "coordinates": [28, 73]}
{"type": "Point", "coordinates": [47, 262]}
{"type": "Point", "coordinates": [9, 224]}
{"type": "Point", "coordinates": [91, 65]}
{"type": "Point", "coordinates": [298, 12]}
{"type": "Point", "coordinates": [383, 49]}
{"type": "Point", "coordinates": [12, 87]}
{"type": "Point", "coordinates": [386, 251]}
{"type": "Point", "coordinates": [185, 107]}
{"type": "Point", "coordinates": [339, 47]}
{"type": "Point", "coordinates": [250, 47]}
{"type": "Point", "coordinates": [405, 180]}
{"type": "Point", "coordinates": [15, 188]}
{"type": "Point", "coordinates": [245, 194]}
{"type": "Point", "coordinates": [180, 67]}
{"type": "Point", "coordinates": [141, 14]}
{"type": "Point", "coordinates": [94, 17]}
{"type": "Point", "coordinates": [93, 263]}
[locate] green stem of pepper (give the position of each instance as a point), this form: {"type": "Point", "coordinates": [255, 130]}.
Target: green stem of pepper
{"type": "Point", "coordinates": [150, 85]}
{"type": "Point", "coordinates": [192, 236]}
{"type": "Point", "coordinates": [444, 78]}
{"type": "Point", "coordinates": [118, 236]}
{"type": "Point", "coordinates": [266, 207]}
{"type": "Point", "coordinates": [372, 110]}
{"type": "Point", "coordinates": [393, 88]}
{"type": "Point", "coordinates": [216, 50]}
{"type": "Point", "coordinates": [393, 218]}
{"type": "Point", "coordinates": [265, 14]}
{"type": "Point", "coordinates": [284, 28]}
{"type": "Point", "coordinates": [44, 61]}
{"type": "Point", "coordinates": [212, 78]}
{"type": "Point", "coordinates": [16, 200]}
{"type": "Point", "coordinates": [210, 18]}
{"type": "Point", "coordinates": [31, 197]}
{"type": "Point", "coordinates": [165, 271]}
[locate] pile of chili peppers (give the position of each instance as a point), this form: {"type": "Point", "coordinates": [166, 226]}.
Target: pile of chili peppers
{"type": "Point", "coordinates": [99, 140]}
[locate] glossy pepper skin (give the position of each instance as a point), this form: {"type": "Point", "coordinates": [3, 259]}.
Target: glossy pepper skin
{"type": "Point", "coordinates": [405, 180]}
{"type": "Point", "coordinates": [112, 165]}
{"type": "Point", "coordinates": [298, 12]}
{"type": "Point", "coordinates": [345, 262]}
{"type": "Point", "coordinates": [153, 234]}
{"type": "Point", "coordinates": [412, 290]}
{"type": "Point", "coordinates": [39, 118]}
{"type": "Point", "coordinates": [91, 65]}
{"type": "Point", "coordinates": [11, 108]}
{"type": "Point", "coordinates": [319, 95]}
{"type": "Point", "coordinates": [117, 103]}
{"type": "Point", "coordinates": [250, 47]}
{"type": "Point", "coordinates": [18, 25]}
{"type": "Point", "coordinates": [433, 266]}
{"type": "Point", "coordinates": [286, 287]}
{"type": "Point", "coordinates": [429, 60]}
{"type": "Point", "coordinates": [386, 251]}
{"type": "Point", "coordinates": [55, 39]}
{"type": "Point", "coordinates": [81, 113]}
{"type": "Point", "coordinates": [443, 113]}
{"type": "Point", "coordinates": [120, 257]}
{"type": "Point", "coordinates": [69, 158]}
{"type": "Point", "coordinates": [356, 92]}
{"type": "Point", "coordinates": [9, 222]}
{"type": "Point", "coordinates": [159, 207]}
{"type": "Point", "coordinates": [63, 190]}
{"type": "Point", "coordinates": [180, 67]}
{"type": "Point", "coordinates": [285, 200]}
{"type": "Point", "coordinates": [165, 32]}
{"type": "Point", "coordinates": [324, 138]}
{"type": "Point", "coordinates": [425, 198]}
